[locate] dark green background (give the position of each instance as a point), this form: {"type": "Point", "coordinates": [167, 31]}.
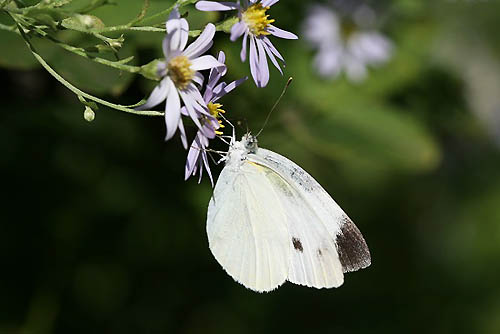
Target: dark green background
{"type": "Point", "coordinates": [99, 233]}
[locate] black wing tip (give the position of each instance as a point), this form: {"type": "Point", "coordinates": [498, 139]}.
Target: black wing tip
{"type": "Point", "coordinates": [351, 247]}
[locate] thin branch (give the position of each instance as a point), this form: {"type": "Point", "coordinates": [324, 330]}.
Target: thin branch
{"type": "Point", "coordinates": [78, 91]}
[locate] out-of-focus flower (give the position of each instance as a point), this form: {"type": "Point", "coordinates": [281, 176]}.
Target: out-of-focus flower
{"type": "Point", "coordinates": [255, 26]}
{"type": "Point", "coordinates": [181, 79]}
{"type": "Point", "coordinates": [343, 44]}
{"type": "Point", "coordinates": [197, 158]}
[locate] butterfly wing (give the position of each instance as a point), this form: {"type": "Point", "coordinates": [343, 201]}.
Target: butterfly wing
{"type": "Point", "coordinates": [324, 242]}
{"type": "Point", "coordinates": [246, 227]}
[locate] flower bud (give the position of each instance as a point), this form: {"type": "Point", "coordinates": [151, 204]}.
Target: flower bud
{"type": "Point", "coordinates": [89, 114]}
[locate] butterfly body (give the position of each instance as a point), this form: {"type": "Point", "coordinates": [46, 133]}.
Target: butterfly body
{"type": "Point", "coordinates": [269, 222]}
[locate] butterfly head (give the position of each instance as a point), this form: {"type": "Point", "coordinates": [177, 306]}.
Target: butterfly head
{"type": "Point", "coordinates": [250, 142]}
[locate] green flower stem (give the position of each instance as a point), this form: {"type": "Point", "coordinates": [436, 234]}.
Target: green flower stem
{"type": "Point", "coordinates": [120, 65]}
{"type": "Point", "coordinates": [141, 19]}
{"type": "Point", "coordinates": [77, 91]}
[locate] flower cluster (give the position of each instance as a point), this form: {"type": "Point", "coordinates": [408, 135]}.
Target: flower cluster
{"type": "Point", "coordinates": [197, 157]}
{"type": "Point", "coordinates": [255, 27]}
{"type": "Point", "coordinates": [182, 82]}
{"type": "Point", "coordinates": [344, 43]}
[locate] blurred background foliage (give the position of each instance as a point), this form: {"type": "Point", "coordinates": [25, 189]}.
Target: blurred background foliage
{"type": "Point", "coordinates": [99, 232]}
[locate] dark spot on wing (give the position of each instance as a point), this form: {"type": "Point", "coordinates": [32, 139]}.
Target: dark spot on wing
{"type": "Point", "coordinates": [351, 246]}
{"type": "Point", "coordinates": [297, 244]}
{"type": "Point", "coordinates": [320, 252]}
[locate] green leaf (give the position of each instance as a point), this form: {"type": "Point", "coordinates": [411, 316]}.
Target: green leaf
{"type": "Point", "coordinates": [373, 135]}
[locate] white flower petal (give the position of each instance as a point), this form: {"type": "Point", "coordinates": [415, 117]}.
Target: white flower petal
{"type": "Point", "coordinates": [202, 43]}
{"type": "Point", "coordinates": [328, 61]}
{"type": "Point", "coordinates": [237, 30]}
{"type": "Point", "coordinates": [178, 29]}
{"type": "Point", "coordinates": [205, 62]}
{"type": "Point", "coordinates": [275, 31]}
{"type": "Point", "coordinates": [172, 110]}
{"type": "Point", "coordinates": [273, 59]}
{"type": "Point", "coordinates": [268, 3]}
{"type": "Point", "coordinates": [183, 134]}
{"type": "Point", "coordinates": [243, 53]}
{"type": "Point", "coordinates": [355, 69]}
{"type": "Point", "coordinates": [254, 61]}
{"type": "Point", "coordinates": [158, 95]}
{"type": "Point", "coordinates": [210, 6]}
{"type": "Point", "coordinates": [198, 79]}
{"type": "Point", "coordinates": [263, 67]}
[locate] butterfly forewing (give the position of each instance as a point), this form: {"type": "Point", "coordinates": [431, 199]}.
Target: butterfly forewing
{"type": "Point", "coordinates": [327, 215]}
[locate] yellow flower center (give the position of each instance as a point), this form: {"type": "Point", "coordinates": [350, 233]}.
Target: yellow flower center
{"type": "Point", "coordinates": [215, 110]}
{"type": "Point", "coordinates": [256, 19]}
{"type": "Point", "coordinates": [179, 70]}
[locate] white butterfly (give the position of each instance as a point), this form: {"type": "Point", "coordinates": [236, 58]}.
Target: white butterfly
{"type": "Point", "coordinates": [269, 222]}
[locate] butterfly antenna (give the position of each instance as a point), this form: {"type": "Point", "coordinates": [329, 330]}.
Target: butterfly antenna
{"type": "Point", "coordinates": [233, 137]}
{"type": "Point", "coordinates": [275, 105]}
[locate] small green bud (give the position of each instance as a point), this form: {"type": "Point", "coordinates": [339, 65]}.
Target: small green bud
{"type": "Point", "coordinates": [116, 43]}
{"type": "Point", "coordinates": [89, 114]}
{"type": "Point", "coordinates": [150, 70]}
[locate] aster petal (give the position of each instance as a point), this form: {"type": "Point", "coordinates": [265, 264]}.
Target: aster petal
{"type": "Point", "coordinates": [237, 30]}
{"type": "Point", "coordinates": [243, 53]}
{"type": "Point", "coordinates": [215, 75]}
{"type": "Point", "coordinates": [254, 70]}
{"type": "Point", "coordinates": [207, 167]}
{"type": "Point", "coordinates": [328, 61]}
{"type": "Point", "coordinates": [275, 31]}
{"type": "Point", "coordinates": [189, 104]}
{"type": "Point", "coordinates": [202, 43]}
{"type": "Point", "coordinates": [212, 6]}
{"type": "Point", "coordinates": [268, 3]}
{"type": "Point", "coordinates": [272, 48]}
{"type": "Point", "coordinates": [172, 110]}
{"type": "Point", "coordinates": [222, 90]}
{"type": "Point", "coordinates": [178, 28]}
{"type": "Point", "coordinates": [321, 25]}
{"type": "Point", "coordinates": [195, 94]}
{"type": "Point", "coordinates": [273, 59]}
{"type": "Point", "coordinates": [184, 111]}
{"type": "Point", "coordinates": [183, 133]}
{"type": "Point", "coordinates": [205, 62]}
{"type": "Point", "coordinates": [371, 46]}
{"type": "Point", "coordinates": [263, 67]}
{"type": "Point", "coordinates": [355, 69]}
{"type": "Point", "coordinates": [192, 157]}
{"type": "Point", "coordinates": [198, 79]}
{"type": "Point", "coordinates": [158, 95]}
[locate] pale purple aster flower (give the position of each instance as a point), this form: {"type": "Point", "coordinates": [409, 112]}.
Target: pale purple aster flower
{"type": "Point", "coordinates": [345, 46]}
{"type": "Point", "coordinates": [255, 26]}
{"type": "Point", "coordinates": [197, 158]}
{"type": "Point", "coordinates": [181, 79]}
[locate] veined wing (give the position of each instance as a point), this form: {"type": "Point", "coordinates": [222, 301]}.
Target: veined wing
{"type": "Point", "coordinates": [246, 227]}
{"type": "Point", "coordinates": [324, 239]}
